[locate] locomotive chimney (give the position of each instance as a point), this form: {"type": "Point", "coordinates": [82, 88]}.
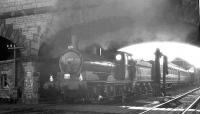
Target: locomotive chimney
{"type": "Point", "coordinates": [72, 41]}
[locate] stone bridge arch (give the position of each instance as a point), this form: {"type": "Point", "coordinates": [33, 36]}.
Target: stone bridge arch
{"type": "Point", "coordinates": [26, 31]}
{"type": "Point", "coordinates": [21, 36]}
{"type": "Point", "coordinates": [15, 35]}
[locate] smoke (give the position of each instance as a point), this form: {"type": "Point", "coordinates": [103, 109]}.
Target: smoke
{"type": "Point", "coordinates": [120, 21]}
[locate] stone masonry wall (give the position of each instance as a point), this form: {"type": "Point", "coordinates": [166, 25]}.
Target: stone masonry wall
{"type": "Point", "coordinates": [22, 22]}
{"type": "Point", "coordinates": [13, 5]}
{"type": "Point", "coordinates": [31, 26]}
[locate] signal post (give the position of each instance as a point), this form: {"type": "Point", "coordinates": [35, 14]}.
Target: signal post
{"type": "Point", "coordinates": [159, 89]}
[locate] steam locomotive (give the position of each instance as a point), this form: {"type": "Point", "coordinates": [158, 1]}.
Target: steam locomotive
{"type": "Point", "coordinates": [94, 78]}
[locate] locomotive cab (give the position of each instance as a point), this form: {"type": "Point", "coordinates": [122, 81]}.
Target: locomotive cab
{"type": "Point", "coordinates": [125, 66]}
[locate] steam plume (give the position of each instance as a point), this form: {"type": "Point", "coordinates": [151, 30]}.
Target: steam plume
{"type": "Point", "coordinates": [105, 21]}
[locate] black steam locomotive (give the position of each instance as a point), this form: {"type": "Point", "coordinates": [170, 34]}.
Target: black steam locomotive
{"type": "Point", "coordinates": [94, 78]}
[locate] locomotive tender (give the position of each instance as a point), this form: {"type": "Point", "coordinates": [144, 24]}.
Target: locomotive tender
{"type": "Point", "coordinates": [93, 78]}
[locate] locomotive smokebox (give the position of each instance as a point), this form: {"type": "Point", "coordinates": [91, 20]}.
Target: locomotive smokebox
{"type": "Point", "coordinates": [70, 62]}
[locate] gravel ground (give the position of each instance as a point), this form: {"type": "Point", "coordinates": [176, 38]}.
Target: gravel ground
{"type": "Point", "coordinates": [147, 101]}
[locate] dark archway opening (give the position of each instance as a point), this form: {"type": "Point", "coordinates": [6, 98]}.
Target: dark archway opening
{"type": "Point", "coordinates": [14, 77]}
{"type": "Point", "coordinates": [5, 53]}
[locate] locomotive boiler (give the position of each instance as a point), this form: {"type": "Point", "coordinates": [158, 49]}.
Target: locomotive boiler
{"type": "Point", "coordinates": [92, 77]}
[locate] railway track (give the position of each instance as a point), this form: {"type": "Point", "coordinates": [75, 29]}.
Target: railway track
{"type": "Point", "coordinates": [187, 102]}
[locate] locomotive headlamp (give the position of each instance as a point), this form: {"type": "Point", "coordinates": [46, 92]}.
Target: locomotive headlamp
{"type": "Point", "coordinates": [66, 76]}
{"type": "Point", "coordinates": [129, 57]}
{"type": "Point", "coordinates": [70, 59]}
{"type": "Point", "coordinates": [51, 78]}
{"type": "Point", "coordinates": [118, 57]}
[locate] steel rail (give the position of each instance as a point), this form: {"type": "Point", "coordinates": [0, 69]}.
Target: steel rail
{"type": "Point", "coordinates": [176, 98]}
{"type": "Point", "coordinates": [193, 104]}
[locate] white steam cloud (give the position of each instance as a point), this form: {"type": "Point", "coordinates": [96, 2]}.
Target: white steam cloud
{"type": "Point", "coordinates": [131, 21]}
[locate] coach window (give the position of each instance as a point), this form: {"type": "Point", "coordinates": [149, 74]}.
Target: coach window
{"type": "Point", "coordinates": [161, 69]}
{"type": "Point", "coordinates": [137, 71]}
